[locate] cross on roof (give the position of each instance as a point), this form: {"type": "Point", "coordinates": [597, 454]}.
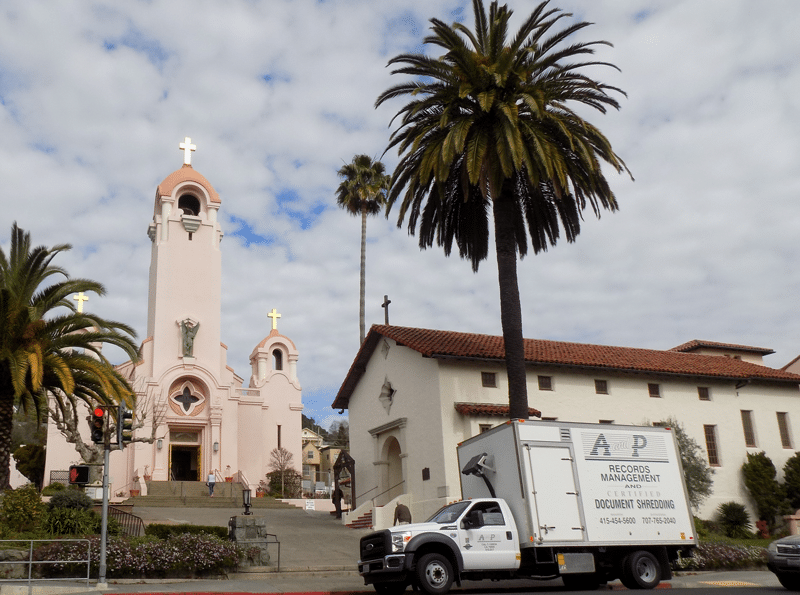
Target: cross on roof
{"type": "Point", "coordinates": [80, 298]}
{"type": "Point", "coordinates": [187, 147]}
{"type": "Point", "coordinates": [274, 315]}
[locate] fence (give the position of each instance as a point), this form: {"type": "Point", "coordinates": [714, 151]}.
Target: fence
{"type": "Point", "coordinates": [30, 561]}
{"type": "Point", "coordinates": [130, 524]}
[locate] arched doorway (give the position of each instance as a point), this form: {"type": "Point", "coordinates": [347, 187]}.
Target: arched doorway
{"type": "Point", "coordinates": [394, 485]}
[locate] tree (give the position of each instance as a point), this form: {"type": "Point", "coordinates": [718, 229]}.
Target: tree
{"type": "Point", "coordinates": [791, 480]}
{"type": "Point", "coordinates": [490, 128]}
{"type": "Point", "coordinates": [767, 494]}
{"type": "Point", "coordinates": [696, 471]}
{"type": "Point", "coordinates": [340, 434]}
{"type": "Point", "coordinates": [30, 460]}
{"type": "Point", "coordinates": [362, 192]}
{"type": "Point", "coordinates": [46, 351]}
{"type": "Point", "coordinates": [280, 461]}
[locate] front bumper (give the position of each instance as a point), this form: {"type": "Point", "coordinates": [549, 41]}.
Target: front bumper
{"type": "Point", "coordinates": [387, 569]}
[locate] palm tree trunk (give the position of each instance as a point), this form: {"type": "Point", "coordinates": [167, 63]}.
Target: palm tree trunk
{"type": "Point", "coordinates": [510, 308]}
{"type": "Point", "coordinates": [361, 313]}
{"type": "Point", "coordinates": [6, 425]}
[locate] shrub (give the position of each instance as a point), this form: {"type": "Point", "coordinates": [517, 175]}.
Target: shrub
{"type": "Point", "coordinates": [791, 480]}
{"type": "Point", "coordinates": [167, 531]}
{"type": "Point", "coordinates": [734, 520]}
{"type": "Point", "coordinates": [70, 521]}
{"type": "Point", "coordinates": [767, 494]}
{"type": "Point", "coordinates": [53, 488]}
{"type": "Point", "coordinates": [181, 555]}
{"type": "Point", "coordinates": [22, 508]}
{"type": "Point", "coordinates": [717, 556]}
{"type": "Point", "coordinates": [70, 499]}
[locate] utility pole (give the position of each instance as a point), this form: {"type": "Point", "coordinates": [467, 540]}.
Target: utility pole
{"type": "Point", "coordinates": [101, 580]}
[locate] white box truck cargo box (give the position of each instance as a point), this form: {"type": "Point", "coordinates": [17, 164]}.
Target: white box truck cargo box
{"type": "Point", "coordinates": [583, 484]}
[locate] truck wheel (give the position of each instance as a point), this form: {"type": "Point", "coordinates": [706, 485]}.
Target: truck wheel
{"type": "Point", "coordinates": [394, 588]}
{"type": "Point", "coordinates": [435, 574]}
{"type": "Point", "coordinates": [640, 570]}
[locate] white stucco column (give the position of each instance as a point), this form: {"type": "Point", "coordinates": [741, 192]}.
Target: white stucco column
{"type": "Point", "coordinates": [166, 209]}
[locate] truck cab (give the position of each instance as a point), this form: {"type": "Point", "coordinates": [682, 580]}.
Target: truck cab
{"type": "Point", "coordinates": [469, 536]}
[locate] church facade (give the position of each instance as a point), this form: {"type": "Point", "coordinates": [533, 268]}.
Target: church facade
{"type": "Point", "coordinates": [207, 420]}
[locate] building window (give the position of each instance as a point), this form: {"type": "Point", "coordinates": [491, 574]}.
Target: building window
{"type": "Point", "coordinates": [489, 379]}
{"type": "Point", "coordinates": [654, 390]}
{"type": "Point", "coordinates": [277, 359]}
{"type": "Point", "coordinates": [549, 419]}
{"type": "Point", "coordinates": [545, 383]}
{"type": "Point", "coordinates": [601, 387]}
{"type": "Point", "coordinates": [711, 445]}
{"type": "Point", "coordinates": [703, 393]}
{"type": "Point", "coordinates": [606, 421]}
{"type": "Point", "coordinates": [310, 454]}
{"type": "Point", "coordinates": [279, 436]}
{"type": "Point", "coordinates": [484, 428]}
{"type": "Point", "coordinates": [747, 428]}
{"type": "Point", "coordinates": [783, 428]}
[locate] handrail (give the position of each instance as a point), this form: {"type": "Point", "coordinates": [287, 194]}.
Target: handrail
{"type": "Point", "coordinates": [30, 562]}
{"type": "Point", "coordinates": [130, 523]}
{"type": "Point", "coordinates": [365, 493]}
{"type": "Point", "coordinates": [388, 490]}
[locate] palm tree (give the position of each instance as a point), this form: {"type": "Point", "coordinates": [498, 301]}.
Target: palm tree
{"type": "Point", "coordinates": [490, 128]}
{"type": "Point", "coordinates": [362, 192]}
{"type": "Point", "coordinates": [44, 351]}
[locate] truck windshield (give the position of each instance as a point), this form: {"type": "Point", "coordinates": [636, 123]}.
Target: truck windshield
{"type": "Point", "coordinates": [449, 514]}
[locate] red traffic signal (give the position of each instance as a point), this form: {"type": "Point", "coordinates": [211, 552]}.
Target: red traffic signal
{"type": "Point", "coordinates": [98, 425]}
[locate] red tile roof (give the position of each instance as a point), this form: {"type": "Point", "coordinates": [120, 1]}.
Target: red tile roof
{"type": "Point", "coordinates": [448, 344]}
{"type": "Point", "coordinates": [695, 345]}
{"type": "Point", "coordinates": [490, 409]}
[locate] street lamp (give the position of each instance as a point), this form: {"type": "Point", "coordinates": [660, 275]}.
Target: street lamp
{"type": "Point", "coordinates": [246, 500]}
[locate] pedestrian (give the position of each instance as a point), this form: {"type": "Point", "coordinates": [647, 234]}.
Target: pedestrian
{"type": "Point", "coordinates": [337, 501]}
{"type": "Point", "coordinates": [212, 479]}
{"type": "Point", "coordinates": [402, 514]}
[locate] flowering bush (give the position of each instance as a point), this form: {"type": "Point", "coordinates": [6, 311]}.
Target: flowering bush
{"type": "Point", "coordinates": [718, 556]}
{"type": "Point", "coordinates": [180, 555]}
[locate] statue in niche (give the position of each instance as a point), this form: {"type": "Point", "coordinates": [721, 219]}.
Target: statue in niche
{"type": "Point", "coordinates": [189, 329]}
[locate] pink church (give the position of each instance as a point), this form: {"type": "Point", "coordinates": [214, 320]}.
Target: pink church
{"type": "Point", "coordinates": [207, 422]}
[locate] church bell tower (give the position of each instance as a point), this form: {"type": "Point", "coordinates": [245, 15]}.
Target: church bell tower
{"type": "Point", "coordinates": [184, 301]}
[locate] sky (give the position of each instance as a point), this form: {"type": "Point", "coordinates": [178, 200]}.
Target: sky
{"type": "Point", "coordinates": [277, 95]}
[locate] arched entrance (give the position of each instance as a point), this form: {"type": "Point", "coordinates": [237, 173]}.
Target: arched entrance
{"type": "Point", "coordinates": [394, 485]}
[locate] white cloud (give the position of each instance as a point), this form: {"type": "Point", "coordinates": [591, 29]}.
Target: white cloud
{"type": "Point", "coordinates": [95, 98]}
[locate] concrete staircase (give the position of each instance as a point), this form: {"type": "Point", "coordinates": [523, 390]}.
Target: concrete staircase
{"type": "Point", "coordinates": [362, 522]}
{"type": "Point", "coordinates": [167, 494]}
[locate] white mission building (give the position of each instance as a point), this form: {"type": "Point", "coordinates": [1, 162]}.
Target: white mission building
{"type": "Point", "coordinates": [413, 394]}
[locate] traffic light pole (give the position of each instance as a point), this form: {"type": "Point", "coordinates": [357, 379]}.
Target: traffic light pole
{"type": "Point", "coordinates": [101, 580]}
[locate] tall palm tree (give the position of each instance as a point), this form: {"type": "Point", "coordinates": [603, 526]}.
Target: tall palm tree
{"type": "Point", "coordinates": [46, 346]}
{"type": "Point", "coordinates": [490, 127]}
{"type": "Point", "coordinates": [362, 192]}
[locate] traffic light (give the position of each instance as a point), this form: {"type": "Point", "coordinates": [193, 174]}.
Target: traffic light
{"type": "Point", "coordinates": [98, 425]}
{"type": "Point", "coordinates": [124, 426]}
{"type": "Point", "coordinates": [79, 474]}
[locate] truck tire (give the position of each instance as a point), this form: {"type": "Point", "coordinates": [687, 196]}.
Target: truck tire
{"type": "Point", "coordinates": [434, 573]}
{"type": "Point", "coordinates": [394, 588]}
{"type": "Point", "coordinates": [640, 570]}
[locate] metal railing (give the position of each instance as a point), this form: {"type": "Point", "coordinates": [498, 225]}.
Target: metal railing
{"type": "Point", "coordinates": [129, 523]}
{"type": "Point", "coordinates": [30, 561]}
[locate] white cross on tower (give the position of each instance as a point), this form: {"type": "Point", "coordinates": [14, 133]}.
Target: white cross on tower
{"type": "Point", "coordinates": [80, 298]}
{"type": "Point", "coordinates": [187, 148]}
{"type": "Point", "coordinates": [274, 315]}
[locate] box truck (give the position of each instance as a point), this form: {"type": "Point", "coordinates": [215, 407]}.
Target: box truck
{"type": "Point", "coordinates": [588, 503]}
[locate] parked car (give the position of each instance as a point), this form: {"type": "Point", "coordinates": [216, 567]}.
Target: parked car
{"type": "Point", "coordinates": [784, 561]}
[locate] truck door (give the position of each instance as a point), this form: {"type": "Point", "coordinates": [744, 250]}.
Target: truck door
{"type": "Point", "coordinates": [555, 495]}
{"type": "Point", "coordinates": [491, 546]}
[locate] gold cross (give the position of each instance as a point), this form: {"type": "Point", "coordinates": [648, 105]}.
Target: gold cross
{"type": "Point", "coordinates": [80, 298]}
{"type": "Point", "coordinates": [187, 147]}
{"type": "Point", "coordinates": [274, 315]}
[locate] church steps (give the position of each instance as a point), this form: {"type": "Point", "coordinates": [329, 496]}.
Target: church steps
{"type": "Point", "coordinates": [165, 494]}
